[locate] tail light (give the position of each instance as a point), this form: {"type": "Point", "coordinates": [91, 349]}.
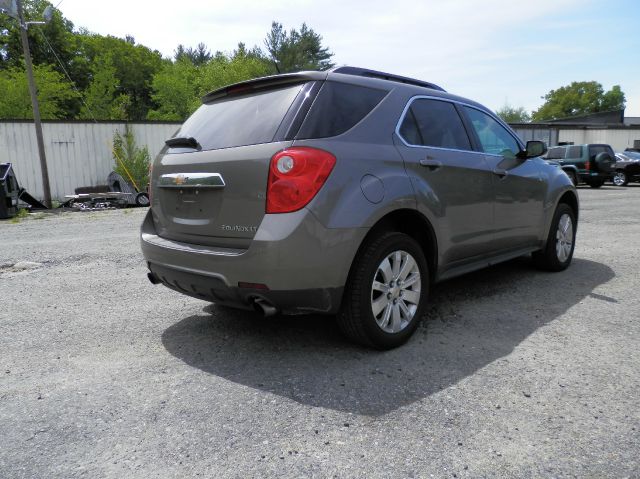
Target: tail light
{"type": "Point", "coordinates": [295, 177]}
{"type": "Point", "coordinates": [587, 165]}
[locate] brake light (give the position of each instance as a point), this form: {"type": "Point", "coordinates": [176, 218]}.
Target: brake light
{"type": "Point", "coordinates": [587, 165]}
{"type": "Point", "coordinates": [295, 177]}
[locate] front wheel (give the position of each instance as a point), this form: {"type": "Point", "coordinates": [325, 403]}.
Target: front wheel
{"type": "Point", "coordinates": [596, 183]}
{"type": "Point", "coordinates": [620, 178]}
{"type": "Point", "coordinates": [558, 252]}
{"type": "Point", "coordinates": [386, 293]}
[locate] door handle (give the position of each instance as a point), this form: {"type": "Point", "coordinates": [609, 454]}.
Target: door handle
{"type": "Point", "coordinates": [501, 172]}
{"type": "Point", "coordinates": [431, 163]}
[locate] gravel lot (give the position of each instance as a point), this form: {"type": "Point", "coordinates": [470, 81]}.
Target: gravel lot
{"type": "Point", "coordinates": [517, 373]}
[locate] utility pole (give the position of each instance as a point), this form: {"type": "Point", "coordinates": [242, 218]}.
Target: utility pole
{"type": "Point", "coordinates": [34, 103]}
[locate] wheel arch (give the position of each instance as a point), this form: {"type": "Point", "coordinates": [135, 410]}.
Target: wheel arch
{"type": "Point", "coordinates": [570, 198]}
{"type": "Point", "coordinates": [411, 223]}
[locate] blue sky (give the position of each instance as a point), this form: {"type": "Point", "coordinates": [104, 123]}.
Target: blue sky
{"type": "Point", "coordinates": [493, 51]}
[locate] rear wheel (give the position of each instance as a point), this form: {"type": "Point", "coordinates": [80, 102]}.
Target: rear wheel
{"type": "Point", "coordinates": [387, 292]}
{"type": "Point", "coordinates": [620, 178]}
{"type": "Point", "coordinates": [142, 199]}
{"type": "Point", "coordinates": [596, 183]}
{"type": "Point", "coordinates": [573, 177]}
{"type": "Point", "coordinates": [558, 252]}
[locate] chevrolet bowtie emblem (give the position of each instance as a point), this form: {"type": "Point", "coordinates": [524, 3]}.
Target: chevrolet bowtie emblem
{"type": "Point", "coordinates": [180, 179]}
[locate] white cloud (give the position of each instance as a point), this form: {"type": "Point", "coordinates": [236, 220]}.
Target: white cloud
{"type": "Point", "coordinates": [487, 50]}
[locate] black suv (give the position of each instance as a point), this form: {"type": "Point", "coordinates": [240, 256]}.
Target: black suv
{"type": "Point", "coordinates": [627, 168]}
{"type": "Point", "coordinates": [594, 163]}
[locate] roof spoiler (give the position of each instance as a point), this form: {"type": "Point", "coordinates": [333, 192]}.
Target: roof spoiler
{"type": "Point", "coordinates": [363, 72]}
{"type": "Point", "coordinates": [263, 82]}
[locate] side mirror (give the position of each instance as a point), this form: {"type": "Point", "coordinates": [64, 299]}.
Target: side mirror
{"type": "Point", "coordinates": [534, 148]}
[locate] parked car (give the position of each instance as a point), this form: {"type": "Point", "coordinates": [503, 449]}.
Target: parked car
{"type": "Point", "coordinates": [592, 164]}
{"type": "Point", "coordinates": [627, 168]}
{"type": "Point", "coordinates": [553, 155]}
{"type": "Point", "coordinates": [347, 192]}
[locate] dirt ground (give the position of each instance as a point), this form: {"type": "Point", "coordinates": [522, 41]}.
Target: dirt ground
{"type": "Point", "coordinates": [516, 373]}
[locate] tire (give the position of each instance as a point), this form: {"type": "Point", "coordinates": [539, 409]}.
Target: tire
{"type": "Point", "coordinates": [620, 178]}
{"type": "Point", "coordinates": [373, 287]}
{"type": "Point", "coordinates": [558, 251]}
{"type": "Point", "coordinates": [142, 199]}
{"type": "Point", "coordinates": [596, 183]}
{"type": "Point", "coordinates": [573, 177]}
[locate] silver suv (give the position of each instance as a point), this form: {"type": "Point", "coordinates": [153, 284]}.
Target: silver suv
{"type": "Point", "coordinates": [347, 192]}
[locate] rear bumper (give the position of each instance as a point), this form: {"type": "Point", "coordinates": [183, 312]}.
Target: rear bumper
{"type": "Point", "coordinates": [587, 176]}
{"type": "Point", "coordinates": [303, 264]}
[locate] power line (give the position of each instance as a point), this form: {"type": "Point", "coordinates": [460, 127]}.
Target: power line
{"type": "Point", "coordinates": [73, 85]}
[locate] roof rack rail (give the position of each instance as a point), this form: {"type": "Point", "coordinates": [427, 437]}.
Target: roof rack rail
{"type": "Point", "coordinates": [384, 76]}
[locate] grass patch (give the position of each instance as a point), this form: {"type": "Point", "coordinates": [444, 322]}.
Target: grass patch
{"type": "Point", "coordinates": [22, 214]}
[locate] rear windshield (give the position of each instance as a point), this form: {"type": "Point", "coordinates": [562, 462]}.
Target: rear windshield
{"type": "Point", "coordinates": [338, 108]}
{"type": "Point", "coordinates": [240, 120]}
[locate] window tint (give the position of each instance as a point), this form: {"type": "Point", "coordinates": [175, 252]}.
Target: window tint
{"type": "Point", "coordinates": [240, 120]}
{"type": "Point", "coordinates": [574, 152]}
{"type": "Point", "coordinates": [434, 123]}
{"type": "Point", "coordinates": [338, 108]}
{"type": "Point", "coordinates": [556, 153]}
{"type": "Point", "coordinates": [494, 138]}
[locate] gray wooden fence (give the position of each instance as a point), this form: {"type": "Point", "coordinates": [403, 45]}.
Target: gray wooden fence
{"type": "Point", "coordinates": [78, 154]}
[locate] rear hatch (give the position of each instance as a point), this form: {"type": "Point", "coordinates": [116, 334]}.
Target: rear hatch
{"type": "Point", "coordinates": [209, 182]}
{"type": "Point", "coordinates": [602, 163]}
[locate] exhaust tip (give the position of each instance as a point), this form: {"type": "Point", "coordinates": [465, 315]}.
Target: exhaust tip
{"type": "Point", "coordinates": [261, 305]}
{"type": "Point", "coordinates": [153, 278]}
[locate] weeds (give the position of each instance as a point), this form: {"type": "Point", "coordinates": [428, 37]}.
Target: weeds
{"type": "Point", "coordinates": [22, 214]}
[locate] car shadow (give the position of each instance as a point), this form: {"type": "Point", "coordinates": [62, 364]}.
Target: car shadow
{"type": "Point", "coordinates": [473, 321]}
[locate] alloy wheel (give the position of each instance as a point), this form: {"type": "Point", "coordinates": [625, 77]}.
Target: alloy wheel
{"type": "Point", "coordinates": [564, 238]}
{"type": "Point", "coordinates": [619, 179]}
{"type": "Point", "coordinates": [395, 292]}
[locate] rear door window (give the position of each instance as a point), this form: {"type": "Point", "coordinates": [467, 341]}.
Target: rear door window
{"type": "Point", "coordinates": [574, 152]}
{"type": "Point", "coordinates": [434, 123]}
{"type": "Point", "coordinates": [240, 120]}
{"type": "Point", "coordinates": [556, 153]}
{"type": "Point", "coordinates": [494, 138]}
{"type": "Point", "coordinates": [338, 108]}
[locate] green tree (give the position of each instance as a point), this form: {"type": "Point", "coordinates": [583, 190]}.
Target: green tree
{"type": "Point", "coordinates": [222, 71]}
{"type": "Point", "coordinates": [102, 100]}
{"type": "Point", "coordinates": [512, 114]}
{"type": "Point", "coordinates": [134, 67]}
{"type": "Point", "coordinates": [198, 55]}
{"type": "Point", "coordinates": [175, 91]}
{"type": "Point", "coordinates": [56, 36]}
{"type": "Point", "coordinates": [296, 50]}
{"type": "Point", "coordinates": [179, 87]}
{"type": "Point", "coordinates": [53, 93]}
{"type": "Point", "coordinates": [579, 98]}
{"type": "Point", "coordinates": [131, 162]}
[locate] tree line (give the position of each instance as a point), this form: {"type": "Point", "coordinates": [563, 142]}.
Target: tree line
{"type": "Point", "coordinates": [576, 99]}
{"type": "Point", "coordinates": [84, 75]}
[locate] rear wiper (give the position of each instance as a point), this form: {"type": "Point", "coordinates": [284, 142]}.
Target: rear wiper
{"type": "Point", "coordinates": [189, 141]}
